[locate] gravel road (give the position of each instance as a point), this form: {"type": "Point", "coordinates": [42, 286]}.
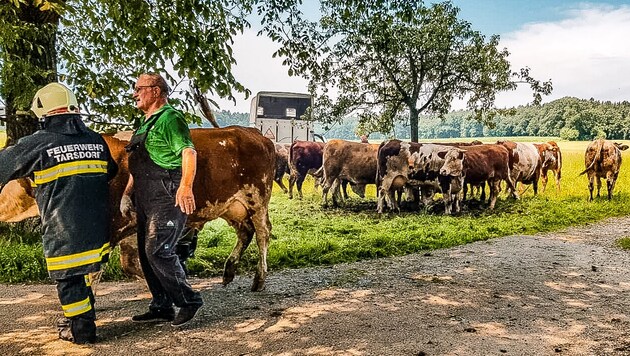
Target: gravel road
{"type": "Point", "coordinates": [563, 293]}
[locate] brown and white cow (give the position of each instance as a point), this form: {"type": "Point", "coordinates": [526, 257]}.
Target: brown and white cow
{"type": "Point", "coordinates": [282, 164]}
{"type": "Point", "coordinates": [525, 164]}
{"type": "Point", "coordinates": [229, 184]}
{"type": "Point", "coordinates": [484, 163]}
{"type": "Point", "coordinates": [412, 166]}
{"type": "Point", "coordinates": [305, 157]}
{"type": "Point", "coordinates": [551, 161]}
{"type": "Point", "coordinates": [392, 172]}
{"type": "Point", "coordinates": [603, 160]}
{"type": "Point", "coordinates": [354, 162]}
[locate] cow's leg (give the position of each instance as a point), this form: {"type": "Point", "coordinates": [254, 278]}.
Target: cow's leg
{"type": "Point", "coordinates": [535, 186]}
{"type": "Point", "coordinates": [325, 188]}
{"type": "Point", "coordinates": [495, 189]}
{"type": "Point", "coordinates": [344, 189]}
{"type": "Point", "coordinates": [599, 185]}
{"type": "Point", "coordinates": [336, 185]}
{"type": "Point", "coordinates": [244, 235]}
{"type": "Point", "coordinates": [591, 179]}
{"type": "Point", "coordinates": [611, 178]}
{"type": "Point", "coordinates": [558, 175]}
{"type": "Point", "coordinates": [380, 200]}
{"type": "Point", "coordinates": [483, 192]}
{"type": "Point", "coordinates": [278, 180]}
{"type": "Point", "coordinates": [544, 178]}
{"type": "Point", "coordinates": [300, 180]}
{"type": "Point", "coordinates": [292, 179]}
{"type": "Point", "coordinates": [511, 185]}
{"type": "Point", "coordinates": [262, 225]}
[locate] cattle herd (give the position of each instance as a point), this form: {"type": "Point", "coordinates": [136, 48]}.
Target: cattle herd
{"type": "Point", "coordinates": [420, 170]}
{"type": "Point", "coordinates": [231, 185]}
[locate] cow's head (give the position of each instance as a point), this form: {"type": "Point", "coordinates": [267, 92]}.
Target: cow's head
{"type": "Point", "coordinates": [453, 163]}
{"type": "Point", "coordinates": [549, 154]}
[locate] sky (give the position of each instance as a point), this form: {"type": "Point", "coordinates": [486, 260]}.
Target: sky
{"type": "Point", "coordinates": [583, 47]}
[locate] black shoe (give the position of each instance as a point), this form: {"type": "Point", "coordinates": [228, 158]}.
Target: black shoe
{"type": "Point", "coordinates": [185, 315]}
{"type": "Point", "coordinates": [155, 315]}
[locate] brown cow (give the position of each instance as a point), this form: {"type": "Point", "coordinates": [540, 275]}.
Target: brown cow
{"type": "Point", "coordinates": [282, 164]}
{"type": "Point", "coordinates": [228, 184]}
{"type": "Point", "coordinates": [603, 160]}
{"type": "Point", "coordinates": [552, 161]}
{"type": "Point", "coordinates": [304, 157]}
{"type": "Point", "coordinates": [346, 160]}
{"type": "Point", "coordinates": [484, 163]}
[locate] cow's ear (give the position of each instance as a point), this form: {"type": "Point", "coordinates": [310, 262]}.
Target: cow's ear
{"type": "Point", "coordinates": [623, 147]}
{"type": "Point", "coordinates": [442, 154]}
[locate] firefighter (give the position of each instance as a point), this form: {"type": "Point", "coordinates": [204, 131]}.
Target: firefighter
{"type": "Point", "coordinates": [70, 166]}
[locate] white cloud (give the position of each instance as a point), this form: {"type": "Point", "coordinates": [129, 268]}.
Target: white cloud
{"type": "Point", "coordinates": [586, 55]}
{"type": "Point", "coordinates": [258, 71]}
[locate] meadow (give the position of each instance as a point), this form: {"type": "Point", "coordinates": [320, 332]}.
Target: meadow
{"type": "Point", "coordinates": [306, 234]}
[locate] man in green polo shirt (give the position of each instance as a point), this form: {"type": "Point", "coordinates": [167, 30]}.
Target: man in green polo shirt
{"type": "Point", "coordinates": [162, 163]}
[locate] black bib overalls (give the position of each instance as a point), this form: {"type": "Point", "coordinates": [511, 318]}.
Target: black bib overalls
{"type": "Point", "coordinates": [160, 224]}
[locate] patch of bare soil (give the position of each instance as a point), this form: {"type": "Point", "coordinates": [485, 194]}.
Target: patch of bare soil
{"type": "Point", "coordinates": [563, 293]}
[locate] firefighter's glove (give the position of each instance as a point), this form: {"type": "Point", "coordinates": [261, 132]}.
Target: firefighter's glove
{"type": "Point", "coordinates": [126, 206]}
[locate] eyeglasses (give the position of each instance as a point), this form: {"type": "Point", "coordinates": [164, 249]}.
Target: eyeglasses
{"type": "Point", "coordinates": [137, 89]}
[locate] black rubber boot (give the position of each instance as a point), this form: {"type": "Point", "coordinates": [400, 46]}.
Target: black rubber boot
{"type": "Point", "coordinates": [83, 330]}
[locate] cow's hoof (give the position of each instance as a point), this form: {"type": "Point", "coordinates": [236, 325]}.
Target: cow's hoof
{"type": "Point", "coordinates": [228, 273]}
{"type": "Point", "coordinates": [258, 286]}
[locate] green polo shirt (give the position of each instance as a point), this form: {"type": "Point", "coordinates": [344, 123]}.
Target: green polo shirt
{"type": "Point", "coordinates": [167, 138]}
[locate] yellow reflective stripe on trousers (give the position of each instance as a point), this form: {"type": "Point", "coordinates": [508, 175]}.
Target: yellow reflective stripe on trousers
{"type": "Point", "coordinates": [70, 169]}
{"type": "Point", "coordinates": [77, 308]}
{"type": "Point", "coordinates": [77, 259]}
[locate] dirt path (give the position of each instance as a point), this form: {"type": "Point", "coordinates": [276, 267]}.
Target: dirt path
{"type": "Point", "coordinates": [564, 293]}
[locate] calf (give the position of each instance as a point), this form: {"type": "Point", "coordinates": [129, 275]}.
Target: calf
{"type": "Point", "coordinates": [603, 160]}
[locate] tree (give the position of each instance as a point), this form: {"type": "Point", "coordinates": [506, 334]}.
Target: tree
{"type": "Point", "coordinates": [99, 48]}
{"type": "Point", "coordinates": [391, 60]}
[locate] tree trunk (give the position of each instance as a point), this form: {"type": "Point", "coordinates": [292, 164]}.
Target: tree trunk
{"type": "Point", "coordinates": [413, 124]}
{"type": "Point", "coordinates": [34, 53]}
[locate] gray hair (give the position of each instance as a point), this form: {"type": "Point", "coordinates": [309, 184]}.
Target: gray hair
{"type": "Point", "coordinates": [159, 82]}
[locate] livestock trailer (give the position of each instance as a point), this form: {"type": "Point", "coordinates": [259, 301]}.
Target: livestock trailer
{"type": "Point", "coordinates": [281, 116]}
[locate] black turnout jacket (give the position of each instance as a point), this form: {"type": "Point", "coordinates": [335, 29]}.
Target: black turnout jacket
{"type": "Point", "coordinates": [70, 166]}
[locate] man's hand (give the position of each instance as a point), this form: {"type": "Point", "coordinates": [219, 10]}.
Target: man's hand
{"type": "Point", "coordinates": [185, 199]}
{"type": "Point", "coordinates": [126, 206]}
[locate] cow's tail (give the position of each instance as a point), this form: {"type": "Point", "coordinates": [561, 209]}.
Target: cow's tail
{"type": "Point", "coordinates": [379, 169]}
{"type": "Point", "coordinates": [600, 144]}
{"type": "Point", "coordinates": [320, 172]}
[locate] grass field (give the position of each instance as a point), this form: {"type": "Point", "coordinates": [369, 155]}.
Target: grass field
{"type": "Point", "coordinates": [305, 234]}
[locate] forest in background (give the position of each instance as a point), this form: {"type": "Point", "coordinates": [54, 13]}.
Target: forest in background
{"type": "Point", "coordinates": [568, 118]}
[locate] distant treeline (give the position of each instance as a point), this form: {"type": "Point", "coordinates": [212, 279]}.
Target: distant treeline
{"type": "Point", "coordinates": [568, 118]}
